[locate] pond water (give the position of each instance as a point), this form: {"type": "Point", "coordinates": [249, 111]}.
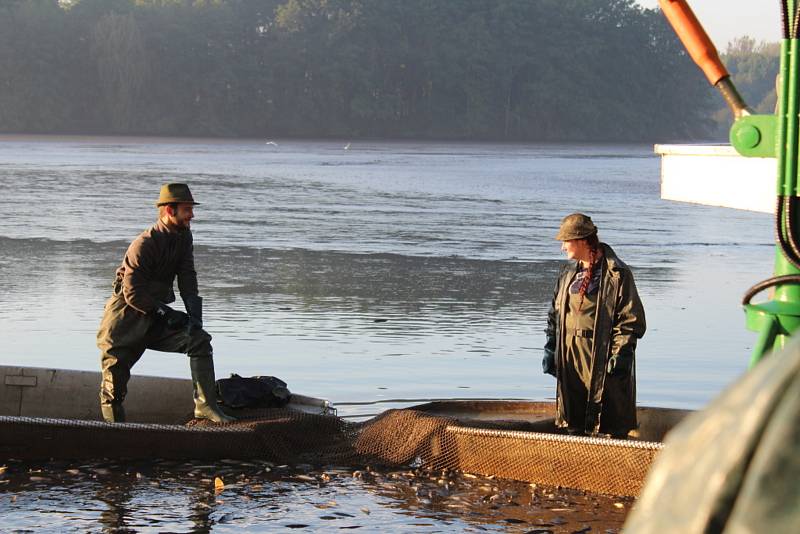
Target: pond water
{"type": "Point", "coordinates": [374, 276]}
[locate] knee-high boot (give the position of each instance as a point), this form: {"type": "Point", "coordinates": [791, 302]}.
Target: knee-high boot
{"type": "Point", "coordinates": [205, 395]}
{"type": "Point", "coordinates": [114, 386]}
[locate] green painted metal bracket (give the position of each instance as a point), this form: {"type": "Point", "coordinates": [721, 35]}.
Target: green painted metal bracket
{"type": "Point", "coordinates": [768, 332]}
{"type": "Point", "coordinates": [776, 136]}
{"type": "Point", "coordinates": [785, 314]}
{"type": "Point", "coordinates": [775, 322]}
{"type": "Point", "coordinates": [755, 136]}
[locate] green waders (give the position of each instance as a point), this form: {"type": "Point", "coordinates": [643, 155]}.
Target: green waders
{"type": "Point", "coordinates": [123, 337]}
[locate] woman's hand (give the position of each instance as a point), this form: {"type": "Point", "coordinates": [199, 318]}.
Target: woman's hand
{"type": "Point", "coordinates": [620, 364]}
{"type": "Point", "coordinates": [549, 362]}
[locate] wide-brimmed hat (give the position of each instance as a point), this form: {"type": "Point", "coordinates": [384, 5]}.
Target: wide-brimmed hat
{"type": "Point", "coordinates": [175, 194]}
{"type": "Point", "coordinates": [576, 226]}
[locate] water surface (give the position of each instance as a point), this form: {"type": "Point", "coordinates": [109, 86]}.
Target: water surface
{"type": "Point", "coordinates": [388, 270]}
{"type": "Point", "coordinates": [382, 272]}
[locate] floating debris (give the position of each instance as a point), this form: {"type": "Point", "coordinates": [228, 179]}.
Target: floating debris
{"type": "Point", "coordinates": [101, 471]}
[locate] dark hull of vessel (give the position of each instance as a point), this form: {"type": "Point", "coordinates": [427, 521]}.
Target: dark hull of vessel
{"type": "Point", "coordinates": [508, 439]}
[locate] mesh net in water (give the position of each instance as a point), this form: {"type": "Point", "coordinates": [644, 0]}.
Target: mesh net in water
{"type": "Point", "coordinates": [394, 438]}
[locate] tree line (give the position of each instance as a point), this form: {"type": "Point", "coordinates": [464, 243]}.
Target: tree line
{"type": "Point", "coordinates": [753, 67]}
{"type": "Point", "coordinates": [521, 70]}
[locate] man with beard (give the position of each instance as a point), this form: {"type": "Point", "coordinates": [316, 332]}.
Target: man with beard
{"type": "Point", "coordinates": [137, 316]}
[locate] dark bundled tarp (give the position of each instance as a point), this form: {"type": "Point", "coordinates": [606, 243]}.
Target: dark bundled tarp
{"type": "Point", "coordinates": [252, 392]}
{"type": "Point", "coordinates": [734, 467]}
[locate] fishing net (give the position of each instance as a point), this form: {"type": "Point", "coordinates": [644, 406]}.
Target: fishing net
{"type": "Point", "coordinates": [394, 438]}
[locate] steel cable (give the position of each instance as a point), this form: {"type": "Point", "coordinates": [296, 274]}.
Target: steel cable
{"type": "Point", "coordinates": [795, 22]}
{"type": "Point", "coordinates": [784, 19]}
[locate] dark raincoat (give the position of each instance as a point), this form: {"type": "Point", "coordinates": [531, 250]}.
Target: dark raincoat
{"type": "Point", "coordinates": [129, 326]}
{"type": "Point", "coordinates": [619, 321]}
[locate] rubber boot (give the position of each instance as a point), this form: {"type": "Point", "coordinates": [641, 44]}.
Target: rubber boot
{"type": "Point", "coordinates": [205, 395]}
{"type": "Point", "coordinates": [113, 413]}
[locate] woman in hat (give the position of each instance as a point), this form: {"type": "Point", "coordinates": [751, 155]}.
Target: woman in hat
{"type": "Point", "coordinates": [595, 319]}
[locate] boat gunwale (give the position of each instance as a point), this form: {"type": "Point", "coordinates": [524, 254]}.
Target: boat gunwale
{"type": "Point", "coordinates": [547, 436]}
{"type": "Point", "coordinates": [63, 422]}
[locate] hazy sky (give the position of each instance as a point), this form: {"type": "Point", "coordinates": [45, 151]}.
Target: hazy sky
{"type": "Point", "coordinates": [726, 19]}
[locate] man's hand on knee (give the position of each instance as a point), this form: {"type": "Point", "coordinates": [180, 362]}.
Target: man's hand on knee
{"type": "Point", "coordinates": [173, 318]}
{"type": "Point", "coordinates": [193, 324]}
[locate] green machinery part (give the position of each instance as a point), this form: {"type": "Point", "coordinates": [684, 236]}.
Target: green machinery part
{"type": "Point", "coordinates": [771, 136]}
{"type": "Point", "coordinates": [778, 136]}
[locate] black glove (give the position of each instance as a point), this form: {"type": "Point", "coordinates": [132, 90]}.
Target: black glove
{"type": "Point", "coordinates": [194, 307]}
{"type": "Point", "coordinates": [173, 318]}
{"type": "Point", "coordinates": [620, 364]}
{"type": "Point", "coordinates": [549, 362]}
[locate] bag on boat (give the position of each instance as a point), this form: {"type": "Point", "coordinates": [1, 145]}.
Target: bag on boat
{"type": "Point", "coordinates": [252, 392]}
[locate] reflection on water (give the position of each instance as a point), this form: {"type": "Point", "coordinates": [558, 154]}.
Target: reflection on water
{"type": "Point", "coordinates": [228, 496]}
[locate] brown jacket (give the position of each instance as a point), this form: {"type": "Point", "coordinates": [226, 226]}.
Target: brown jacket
{"type": "Point", "coordinates": [619, 322]}
{"type": "Point", "coordinates": [151, 263]}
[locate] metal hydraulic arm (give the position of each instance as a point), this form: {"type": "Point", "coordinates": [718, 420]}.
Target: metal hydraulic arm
{"type": "Point", "coordinates": [776, 136]}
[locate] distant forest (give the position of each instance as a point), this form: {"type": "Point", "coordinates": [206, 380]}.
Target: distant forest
{"type": "Point", "coordinates": [753, 67]}
{"type": "Point", "coordinates": [516, 70]}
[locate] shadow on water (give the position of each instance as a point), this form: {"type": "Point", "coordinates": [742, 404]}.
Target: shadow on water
{"type": "Point", "coordinates": [308, 278]}
{"type": "Point", "coordinates": [375, 280]}
{"type": "Point", "coordinates": [378, 319]}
